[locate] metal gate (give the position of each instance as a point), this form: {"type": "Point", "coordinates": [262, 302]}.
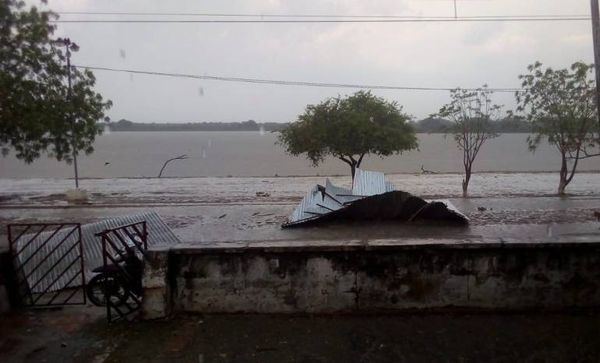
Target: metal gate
{"type": "Point", "coordinates": [120, 245]}
{"type": "Point", "coordinates": [48, 264]}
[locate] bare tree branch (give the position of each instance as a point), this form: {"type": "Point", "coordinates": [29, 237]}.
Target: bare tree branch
{"type": "Point", "coordinates": [181, 157]}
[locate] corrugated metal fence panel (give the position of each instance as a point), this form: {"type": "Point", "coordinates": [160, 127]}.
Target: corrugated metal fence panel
{"type": "Point", "coordinates": [158, 233]}
{"type": "Point", "coordinates": [367, 183]}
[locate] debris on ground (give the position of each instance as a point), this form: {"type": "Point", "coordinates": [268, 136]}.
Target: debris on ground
{"type": "Point", "coordinates": [371, 198]}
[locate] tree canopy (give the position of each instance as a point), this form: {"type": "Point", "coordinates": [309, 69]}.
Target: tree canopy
{"type": "Point", "coordinates": [348, 129]}
{"type": "Point", "coordinates": [37, 112]}
{"type": "Point", "coordinates": [472, 117]}
{"type": "Point", "coordinates": [561, 107]}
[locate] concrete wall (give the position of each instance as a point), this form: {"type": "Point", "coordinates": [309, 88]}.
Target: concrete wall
{"type": "Point", "coordinates": [321, 277]}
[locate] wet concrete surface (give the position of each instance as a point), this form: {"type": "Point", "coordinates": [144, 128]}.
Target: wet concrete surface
{"type": "Point", "coordinates": [48, 335]}
{"type": "Point", "coordinates": [202, 224]}
{"type": "Point", "coordinates": [67, 336]}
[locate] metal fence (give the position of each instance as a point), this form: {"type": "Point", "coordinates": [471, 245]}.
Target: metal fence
{"type": "Point", "coordinates": [123, 250]}
{"type": "Point", "coordinates": [48, 263]}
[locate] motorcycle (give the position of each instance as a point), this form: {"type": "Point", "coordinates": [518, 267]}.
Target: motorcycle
{"type": "Point", "coordinates": [117, 281]}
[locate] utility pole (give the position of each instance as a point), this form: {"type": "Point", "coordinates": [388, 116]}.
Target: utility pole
{"type": "Point", "coordinates": [71, 47]}
{"type": "Point", "coordinates": [596, 38]}
{"type": "Point", "coordinates": [455, 11]}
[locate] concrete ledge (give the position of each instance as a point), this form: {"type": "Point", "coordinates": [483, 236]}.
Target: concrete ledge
{"type": "Point", "coordinates": [389, 244]}
{"type": "Point", "coordinates": [378, 275]}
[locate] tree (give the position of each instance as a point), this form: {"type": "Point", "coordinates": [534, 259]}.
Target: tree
{"type": "Point", "coordinates": [472, 115]}
{"type": "Point", "coordinates": [561, 107]}
{"type": "Point", "coordinates": [37, 112]}
{"type": "Point", "coordinates": [348, 129]}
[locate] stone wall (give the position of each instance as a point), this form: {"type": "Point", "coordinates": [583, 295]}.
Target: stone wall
{"type": "Point", "coordinates": [323, 277]}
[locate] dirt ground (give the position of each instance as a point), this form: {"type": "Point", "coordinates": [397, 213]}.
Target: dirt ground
{"type": "Point", "coordinates": [82, 335]}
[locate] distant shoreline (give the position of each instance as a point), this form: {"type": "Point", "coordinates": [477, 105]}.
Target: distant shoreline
{"type": "Point", "coordinates": [428, 125]}
{"type": "Point", "coordinates": [475, 173]}
{"type": "Point", "coordinates": [267, 131]}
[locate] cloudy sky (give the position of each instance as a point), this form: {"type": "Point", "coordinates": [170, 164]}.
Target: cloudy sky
{"type": "Point", "coordinates": [398, 54]}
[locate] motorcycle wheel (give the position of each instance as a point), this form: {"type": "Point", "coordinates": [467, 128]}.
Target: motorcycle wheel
{"type": "Point", "coordinates": [106, 284]}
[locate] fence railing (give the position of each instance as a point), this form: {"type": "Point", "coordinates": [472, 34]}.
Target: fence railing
{"type": "Point", "coordinates": [48, 263]}
{"type": "Point", "coordinates": [123, 251]}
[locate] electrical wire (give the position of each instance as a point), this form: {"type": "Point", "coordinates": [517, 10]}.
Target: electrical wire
{"type": "Point", "coordinates": [238, 15]}
{"type": "Point", "coordinates": [324, 21]}
{"type": "Point", "coordinates": [287, 82]}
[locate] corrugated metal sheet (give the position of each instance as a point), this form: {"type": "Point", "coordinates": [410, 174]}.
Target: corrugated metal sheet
{"type": "Point", "coordinates": [334, 190]}
{"type": "Point", "coordinates": [158, 233]}
{"type": "Point", "coordinates": [389, 186]}
{"type": "Point", "coordinates": [342, 195]}
{"type": "Point", "coordinates": [320, 201]}
{"type": "Point", "coordinates": [316, 202]}
{"type": "Point", "coordinates": [368, 183]}
{"type": "Point", "coordinates": [307, 202]}
{"type": "Point", "coordinates": [329, 202]}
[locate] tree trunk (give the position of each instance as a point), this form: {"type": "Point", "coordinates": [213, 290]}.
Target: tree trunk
{"type": "Point", "coordinates": [354, 164]}
{"type": "Point", "coordinates": [564, 172]}
{"type": "Point", "coordinates": [465, 183]}
{"type": "Point", "coordinates": [562, 186]}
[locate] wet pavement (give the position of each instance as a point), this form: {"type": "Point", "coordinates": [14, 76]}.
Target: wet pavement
{"type": "Point", "coordinates": [76, 335]}
{"type": "Point", "coordinates": [517, 217]}
{"type": "Point", "coordinates": [48, 335]}
{"type": "Point", "coordinates": [206, 210]}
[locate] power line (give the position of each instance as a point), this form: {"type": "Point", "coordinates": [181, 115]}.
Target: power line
{"type": "Point", "coordinates": [330, 16]}
{"type": "Point", "coordinates": [290, 21]}
{"type": "Point", "coordinates": [288, 83]}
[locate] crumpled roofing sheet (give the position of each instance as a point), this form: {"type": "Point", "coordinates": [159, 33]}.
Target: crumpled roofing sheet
{"type": "Point", "coordinates": [329, 201]}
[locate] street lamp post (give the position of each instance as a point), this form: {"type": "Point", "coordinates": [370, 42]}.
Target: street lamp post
{"type": "Point", "coordinates": [71, 47]}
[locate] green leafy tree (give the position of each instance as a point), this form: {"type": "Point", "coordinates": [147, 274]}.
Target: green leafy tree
{"type": "Point", "coordinates": [561, 107]}
{"type": "Point", "coordinates": [472, 116]}
{"type": "Point", "coordinates": [37, 113]}
{"type": "Point", "coordinates": [348, 129]}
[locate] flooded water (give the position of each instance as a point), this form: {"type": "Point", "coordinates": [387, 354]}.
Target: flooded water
{"type": "Point", "coordinates": [214, 154]}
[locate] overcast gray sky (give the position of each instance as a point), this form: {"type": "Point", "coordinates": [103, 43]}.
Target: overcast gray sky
{"type": "Point", "coordinates": [405, 54]}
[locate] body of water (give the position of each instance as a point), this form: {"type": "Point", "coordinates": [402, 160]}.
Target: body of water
{"type": "Point", "coordinates": [142, 154]}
